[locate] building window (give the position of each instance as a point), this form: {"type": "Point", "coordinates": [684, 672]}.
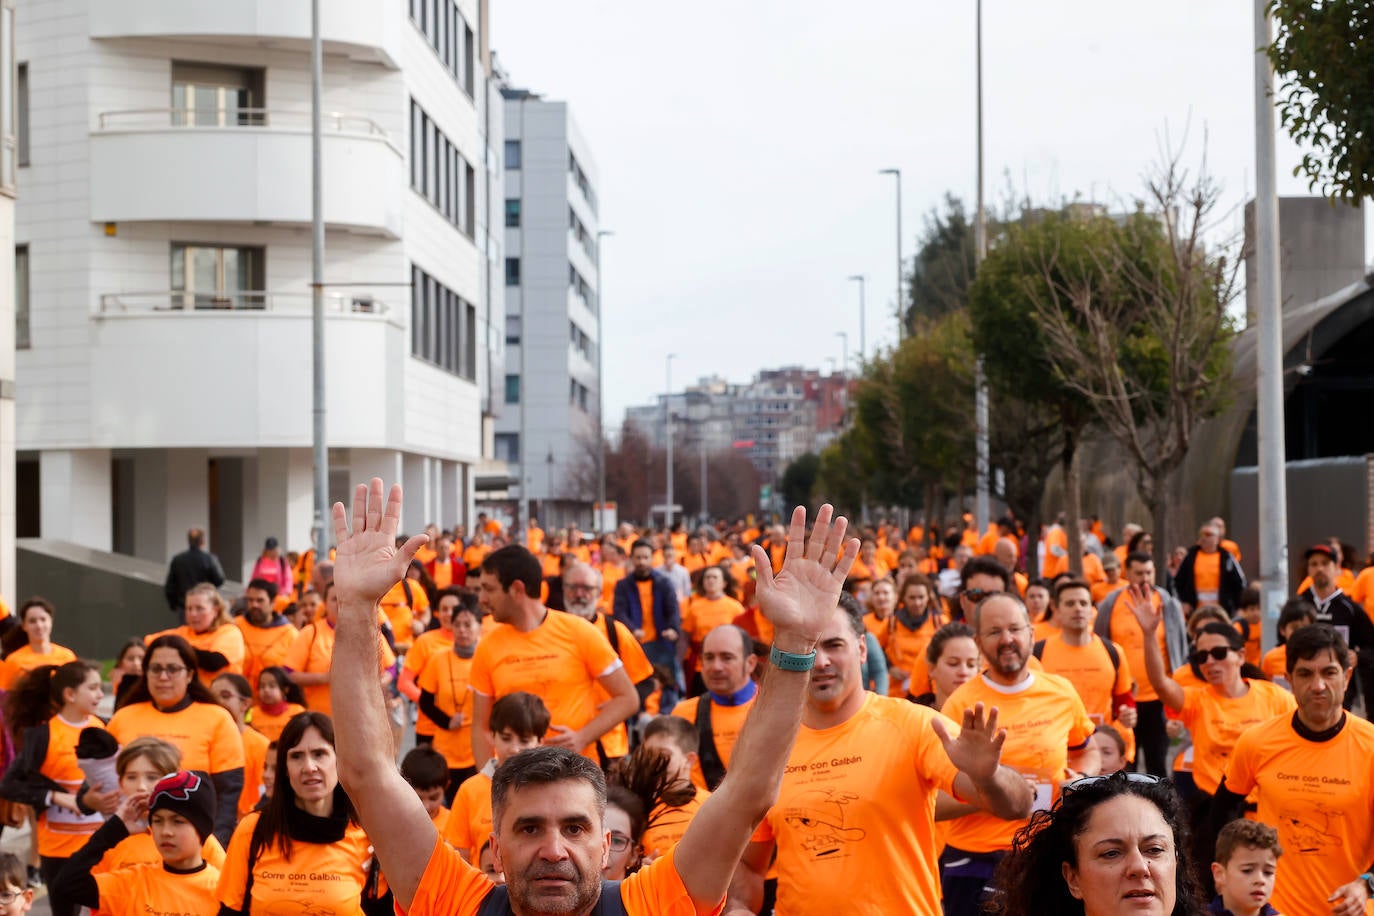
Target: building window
{"type": "Point", "coordinates": [512, 271]}
{"type": "Point", "coordinates": [214, 277]}
{"type": "Point", "coordinates": [507, 447]}
{"type": "Point", "coordinates": [448, 33]}
{"type": "Point", "coordinates": [512, 389]}
{"type": "Point", "coordinates": [443, 326]}
{"type": "Point", "coordinates": [512, 157]}
{"type": "Point", "coordinates": [206, 95]}
{"type": "Point", "coordinates": [21, 112]}
{"type": "Point", "coordinates": [439, 173]}
{"type": "Point", "coordinates": [21, 297]}
{"type": "Point", "coordinates": [8, 153]}
{"type": "Point", "coordinates": [512, 330]}
{"type": "Point", "coordinates": [512, 213]}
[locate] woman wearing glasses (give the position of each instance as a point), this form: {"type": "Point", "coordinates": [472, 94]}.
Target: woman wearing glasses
{"type": "Point", "coordinates": [171, 703]}
{"type": "Point", "coordinates": [1214, 714]}
{"type": "Point", "coordinates": [1111, 844]}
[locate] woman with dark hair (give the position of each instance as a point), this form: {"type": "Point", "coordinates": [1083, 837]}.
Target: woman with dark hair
{"type": "Point", "coordinates": [170, 703]}
{"type": "Point", "coordinates": [1111, 844]}
{"type": "Point", "coordinates": [48, 709]}
{"type": "Point", "coordinates": [953, 659]}
{"type": "Point", "coordinates": [306, 845]}
{"type": "Point", "coordinates": [30, 645]}
{"type": "Point", "coordinates": [914, 623]}
{"type": "Point", "coordinates": [642, 788]}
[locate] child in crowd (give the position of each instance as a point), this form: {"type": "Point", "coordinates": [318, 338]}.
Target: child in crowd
{"type": "Point", "coordinates": [1296, 613]}
{"type": "Point", "coordinates": [280, 699]}
{"type": "Point", "coordinates": [1251, 623]}
{"type": "Point", "coordinates": [16, 896]}
{"type": "Point", "coordinates": [427, 772]}
{"type": "Point", "coordinates": [676, 741]}
{"type": "Point", "coordinates": [128, 668]}
{"type": "Point", "coordinates": [518, 722]}
{"type": "Point", "coordinates": [1111, 746]}
{"type": "Point", "coordinates": [1247, 857]}
{"type": "Point", "coordinates": [269, 776]}
{"type": "Point", "coordinates": [487, 862]}
{"type": "Point", "coordinates": [236, 695]}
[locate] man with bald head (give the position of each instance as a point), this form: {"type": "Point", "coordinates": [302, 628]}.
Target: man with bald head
{"type": "Point", "coordinates": [727, 667]}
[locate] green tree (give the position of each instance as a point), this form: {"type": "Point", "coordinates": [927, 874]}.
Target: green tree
{"type": "Point", "coordinates": [799, 480]}
{"type": "Point", "coordinates": [1323, 54]}
{"type": "Point", "coordinates": [943, 268]}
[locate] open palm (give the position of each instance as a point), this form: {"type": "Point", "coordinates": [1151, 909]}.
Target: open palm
{"type": "Point", "coordinates": [802, 596]}
{"type": "Point", "coordinates": [367, 562]}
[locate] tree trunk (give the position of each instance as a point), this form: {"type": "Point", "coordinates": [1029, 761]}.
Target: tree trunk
{"type": "Point", "coordinates": [1159, 511]}
{"type": "Point", "coordinates": [1072, 498]}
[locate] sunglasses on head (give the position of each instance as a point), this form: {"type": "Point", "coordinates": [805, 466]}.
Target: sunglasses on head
{"type": "Point", "coordinates": [1218, 653]}
{"type": "Point", "coordinates": [978, 594]}
{"type": "Point", "coordinates": [1083, 782]}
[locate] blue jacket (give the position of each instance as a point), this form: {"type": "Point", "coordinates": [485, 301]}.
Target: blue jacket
{"type": "Point", "coordinates": [626, 607]}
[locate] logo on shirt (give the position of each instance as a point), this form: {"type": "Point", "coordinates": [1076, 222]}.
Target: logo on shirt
{"type": "Point", "coordinates": [1316, 834]}
{"type": "Point", "coordinates": [818, 816]}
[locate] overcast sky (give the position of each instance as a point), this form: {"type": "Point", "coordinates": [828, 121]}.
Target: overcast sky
{"type": "Point", "coordinates": [738, 146]}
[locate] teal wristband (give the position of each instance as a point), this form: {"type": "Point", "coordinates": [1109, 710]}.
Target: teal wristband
{"type": "Point", "coordinates": [790, 661]}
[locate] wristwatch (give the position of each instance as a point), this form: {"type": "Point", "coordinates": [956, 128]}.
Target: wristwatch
{"type": "Point", "coordinates": [1368, 880]}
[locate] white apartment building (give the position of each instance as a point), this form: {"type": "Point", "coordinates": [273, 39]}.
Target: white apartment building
{"type": "Point", "coordinates": [164, 253]}
{"type": "Point", "coordinates": [9, 154]}
{"type": "Point", "coordinates": [548, 429]}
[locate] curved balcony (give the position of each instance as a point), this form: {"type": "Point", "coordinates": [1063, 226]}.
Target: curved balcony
{"type": "Point", "coordinates": [361, 29]}
{"type": "Point", "coordinates": [243, 166]}
{"type": "Point", "coordinates": [257, 301]}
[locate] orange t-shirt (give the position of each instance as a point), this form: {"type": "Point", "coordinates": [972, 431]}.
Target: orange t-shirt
{"type": "Point", "coordinates": [1089, 669]}
{"type": "Point", "coordinates": [139, 849]}
{"type": "Point", "coordinates": [906, 649]}
{"type": "Point", "coordinates": [667, 825]}
{"type": "Point", "coordinates": [271, 726]}
{"type": "Point", "coordinates": [1231, 547]}
{"type": "Point", "coordinates": [474, 555]}
{"type": "Point", "coordinates": [1362, 590]}
{"type": "Point", "coordinates": [856, 813]}
{"type": "Point", "coordinates": [329, 876]}
{"type": "Point", "coordinates": [726, 722]}
{"type": "Point", "coordinates": [446, 676]}
{"type": "Point", "coordinates": [534, 539]}
{"type": "Point", "coordinates": [205, 732]}
{"type": "Point", "coordinates": [558, 661]}
{"type": "Point", "coordinates": [1216, 722]}
{"type": "Point", "coordinates": [1127, 634]}
{"type": "Point", "coordinates": [1275, 663]}
{"type": "Point", "coordinates": [227, 640]}
{"type": "Point", "coordinates": [254, 759]}
{"type": "Point", "coordinates": [1093, 572]}
{"type": "Point", "coordinates": [452, 887]}
{"type": "Point", "coordinates": [1044, 717]}
{"type": "Point", "coordinates": [701, 615]}
{"type": "Point", "coordinates": [23, 660]}
{"type": "Point", "coordinates": [616, 742]}
{"type": "Point", "coordinates": [401, 612]}
{"type": "Point", "coordinates": [426, 644]}
{"type": "Point", "coordinates": [469, 820]}
{"type": "Point", "coordinates": [1207, 576]}
{"type": "Point", "coordinates": [62, 832]}
{"type": "Point", "coordinates": [141, 890]}
{"type": "Point", "coordinates": [646, 604]}
{"type": "Point", "coordinates": [880, 628]}
{"type": "Point", "coordinates": [313, 652]}
{"type": "Point", "coordinates": [1320, 797]}
{"type": "Point", "coordinates": [263, 647]}
{"type": "Point", "coordinates": [441, 573]}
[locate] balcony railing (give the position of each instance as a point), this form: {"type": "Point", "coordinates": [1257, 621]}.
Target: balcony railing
{"type": "Point", "coordinates": [156, 118]}
{"type": "Point", "coordinates": [238, 301]}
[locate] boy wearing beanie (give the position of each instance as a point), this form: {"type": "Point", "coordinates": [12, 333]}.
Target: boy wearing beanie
{"type": "Point", "coordinates": [180, 812]}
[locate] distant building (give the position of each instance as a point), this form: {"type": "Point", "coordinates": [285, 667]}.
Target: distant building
{"type": "Point", "coordinates": [13, 148]}
{"type": "Point", "coordinates": [547, 432]}
{"type": "Point", "coordinates": [164, 255]}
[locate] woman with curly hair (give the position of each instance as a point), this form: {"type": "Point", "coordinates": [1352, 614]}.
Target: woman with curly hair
{"type": "Point", "coordinates": [1111, 845]}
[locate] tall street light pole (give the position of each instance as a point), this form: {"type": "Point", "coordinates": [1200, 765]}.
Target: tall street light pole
{"type": "Point", "coordinates": [1273, 487]}
{"type": "Point", "coordinates": [844, 352]}
{"type": "Point", "coordinates": [981, 508]}
{"type": "Point", "coordinates": [668, 429]}
{"type": "Point", "coordinates": [705, 503]}
{"type": "Point", "coordinates": [321, 450]}
{"type": "Point", "coordinates": [863, 349]}
{"type": "Point", "coordinates": [600, 385]}
{"type": "Point", "coordinates": [901, 316]}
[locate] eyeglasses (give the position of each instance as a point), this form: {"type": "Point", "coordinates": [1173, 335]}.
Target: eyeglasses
{"type": "Point", "coordinates": [978, 594]}
{"type": "Point", "coordinates": [1083, 782]}
{"type": "Point", "coordinates": [620, 842]}
{"type": "Point", "coordinates": [166, 670]}
{"type": "Point", "coordinates": [8, 897]}
{"type": "Point", "coordinates": [1218, 653]}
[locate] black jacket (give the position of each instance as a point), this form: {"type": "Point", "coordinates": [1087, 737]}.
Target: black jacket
{"type": "Point", "coordinates": [1228, 592]}
{"type": "Point", "coordinates": [187, 570]}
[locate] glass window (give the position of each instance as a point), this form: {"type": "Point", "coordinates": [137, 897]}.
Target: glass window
{"type": "Point", "coordinates": [512, 389]}
{"type": "Point", "coordinates": [206, 95]}
{"type": "Point", "coordinates": [211, 277]}
{"type": "Point", "coordinates": [512, 212]}
{"type": "Point", "coordinates": [512, 271]}
{"type": "Point", "coordinates": [21, 297]}
{"type": "Point", "coordinates": [512, 330]}
{"type": "Point", "coordinates": [469, 341]}
{"type": "Point", "coordinates": [512, 157]}
{"type": "Point", "coordinates": [21, 112]}
{"type": "Point", "coordinates": [8, 154]}
{"type": "Point", "coordinates": [507, 447]}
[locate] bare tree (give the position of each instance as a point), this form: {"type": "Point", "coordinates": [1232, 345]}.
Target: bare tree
{"type": "Point", "coordinates": [1143, 333]}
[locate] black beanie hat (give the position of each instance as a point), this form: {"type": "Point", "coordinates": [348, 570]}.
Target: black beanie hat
{"type": "Point", "coordinates": [190, 794]}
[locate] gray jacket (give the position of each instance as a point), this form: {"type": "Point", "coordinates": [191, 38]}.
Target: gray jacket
{"type": "Point", "coordinates": [1175, 628]}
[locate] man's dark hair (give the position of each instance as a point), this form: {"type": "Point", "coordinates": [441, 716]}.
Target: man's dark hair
{"type": "Point", "coordinates": [541, 766]}
{"type": "Point", "coordinates": [986, 566]}
{"type": "Point", "coordinates": [1310, 641]}
{"type": "Point", "coordinates": [1249, 597]}
{"type": "Point", "coordinates": [520, 712]}
{"type": "Point", "coordinates": [682, 732]}
{"type": "Point", "coordinates": [1295, 609]}
{"type": "Point", "coordinates": [641, 542]}
{"type": "Point", "coordinates": [1138, 556]}
{"type": "Point", "coordinates": [263, 585]}
{"type": "Point", "coordinates": [425, 768]}
{"type": "Point", "coordinates": [855, 612]}
{"type": "Point", "coordinates": [1068, 584]}
{"type": "Point", "coordinates": [945, 634]}
{"type": "Point", "coordinates": [512, 564]}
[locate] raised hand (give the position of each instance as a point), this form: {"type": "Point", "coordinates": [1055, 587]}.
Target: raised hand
{"type": "Point", "coordinates": [800, 600]}
{"type": "Point", "coordinates": [1139, 603]}
{"type": "Point", "coordinates": [367, 562]}
{"type": "Point", "coordinates": [978, 749]}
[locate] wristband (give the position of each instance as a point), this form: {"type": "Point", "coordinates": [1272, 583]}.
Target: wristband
{"type": "Point", "coordinates": [791, 661]}
{"type": "Point", "coordinates": [1368, 880]}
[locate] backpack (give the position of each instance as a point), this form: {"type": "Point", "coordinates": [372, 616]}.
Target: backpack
{"type": "Point", "coordinates": [708, 757]}
{"type": "Point", "coordinates": [1038, 650]}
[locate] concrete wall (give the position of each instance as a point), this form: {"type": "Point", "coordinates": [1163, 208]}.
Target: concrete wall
{"type": "Point", "coordinates": [1321, 249]}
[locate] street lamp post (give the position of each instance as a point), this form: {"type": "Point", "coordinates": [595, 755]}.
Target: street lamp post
{"type": "Point", "coordinates": [668, 430]}
{"type": "Point", "coordinates": [844, 363]}
{"type": "Point", "coordinates": [600, 385]}
{"type": "Point", "coordinates": [981, 507]}
{"type": "Point", "coordinates": [863, 348]}
{"type": "Point", "coordinates": [901, 317]}
{"type": "Point", "coordinates": [319, 443]}
{"type": "Point", "coordinates": [705, 512]}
